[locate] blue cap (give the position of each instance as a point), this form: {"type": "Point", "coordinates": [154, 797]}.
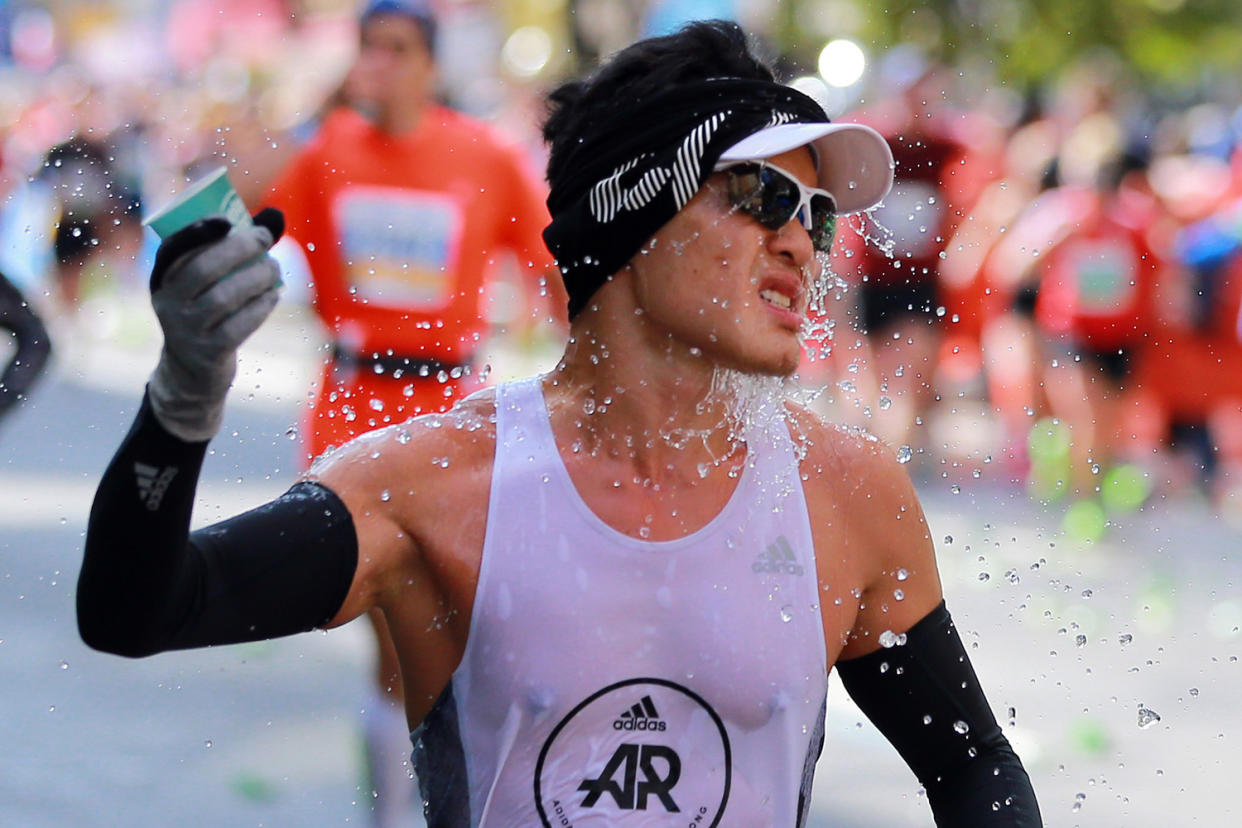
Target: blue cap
{"type": "Point", "coordinates": [420, 11]}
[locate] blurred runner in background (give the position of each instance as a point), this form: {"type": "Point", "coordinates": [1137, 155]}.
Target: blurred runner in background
{"type": "Point", "coordinates": [97, 201]}
{"type": "Point", "coordinates": [901, 303]}
{"type": "Point", "coordinates": [403, 208]}
{"type": "Point", "coordinates": [1096, 306]}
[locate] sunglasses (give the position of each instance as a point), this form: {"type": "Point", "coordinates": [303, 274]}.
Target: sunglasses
{"type": "Point", "coordinates": [772, 196]}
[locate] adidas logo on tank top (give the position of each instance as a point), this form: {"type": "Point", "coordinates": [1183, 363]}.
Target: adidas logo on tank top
{"type": "Point", "coordinates": [641, 716]}
{"type": "Point", "coordinates": [778, 557]}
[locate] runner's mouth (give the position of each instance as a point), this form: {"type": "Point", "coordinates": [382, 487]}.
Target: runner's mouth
{"type": "Point", "coordinates": [776, 298]}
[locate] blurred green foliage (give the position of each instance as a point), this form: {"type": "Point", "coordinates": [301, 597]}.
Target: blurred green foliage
{"type": "Point", "coordinates": [1164, 41]}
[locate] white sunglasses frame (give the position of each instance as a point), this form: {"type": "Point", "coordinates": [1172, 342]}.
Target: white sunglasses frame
{"type": "Point", "coordinates": [805, 193]}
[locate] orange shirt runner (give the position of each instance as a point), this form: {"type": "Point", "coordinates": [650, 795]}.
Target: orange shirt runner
{"type": "Point", "coordinates": [401, 233]}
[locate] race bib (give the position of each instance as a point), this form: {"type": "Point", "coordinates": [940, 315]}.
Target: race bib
{"type": "Point", "coordinates": [1104, 274]}
{"type": "Point", "coordinates": [400, 247]}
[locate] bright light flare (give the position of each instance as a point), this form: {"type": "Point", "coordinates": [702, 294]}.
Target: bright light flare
{"type": "Point", "coordinates": [842, 63]}
{"type": "Point", "coordinates": [527, 51]}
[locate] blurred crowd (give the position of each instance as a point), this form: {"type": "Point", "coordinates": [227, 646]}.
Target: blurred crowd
{"type": "Point", "coordinates": [1051, 296]}
{"type": "Point", "coordinates": [1054, 286]}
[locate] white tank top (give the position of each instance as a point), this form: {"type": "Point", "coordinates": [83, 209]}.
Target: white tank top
{"type": "Point", "coordinates": [611, 681]}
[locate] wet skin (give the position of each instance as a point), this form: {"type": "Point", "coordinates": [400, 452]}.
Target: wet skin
{"type": "Point", "coordinates": [713, 289]}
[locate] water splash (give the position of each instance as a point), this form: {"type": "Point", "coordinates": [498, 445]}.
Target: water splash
{"type": "Point", "coordinates": [747, 403]}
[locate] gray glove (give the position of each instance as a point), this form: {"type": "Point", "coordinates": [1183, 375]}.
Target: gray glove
{"type": "Point", "coordinates": [211, 287]}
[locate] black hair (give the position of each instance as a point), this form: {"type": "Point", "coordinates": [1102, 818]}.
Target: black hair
{"type": "Point", "coordinates": [698, 51]}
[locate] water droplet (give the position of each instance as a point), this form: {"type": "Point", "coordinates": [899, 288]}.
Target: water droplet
{"type": "Point", "coordinates": [904, 454]}
{"type": "Point", "coordinates": [902, 574]}
{"type": "Point", "coordinates": [403, 436]}
{"type": "Point", "coordinates": [927, 720]}
{"type": "Point", "coordinates": [1080, 640]}
{"type": "Point", "coordinates": [1125, 639]}
{"type": "Point", "coordinates": [885, 403]}
{"type": "Point", "coordinates": [64, 665]}
{"type": "Point", "coordinates": [207, 743]}
{"type": "Point", "coordinates": [889, 639]}
{"type": "Point", "coordinates": [961, 727]}
{"type": "Point", "coordinates": [292, 432]}
{"type": "Point", "coordinates": [899, 595]}
{"type": "Point", "coordinates": [786, 613]}
{"type": "Point", "coordinates": [1147, 717]}
{"type": "Point", "coordinates": [1078, 798]}
{"type": "Point", "coordinates": [385, 496]}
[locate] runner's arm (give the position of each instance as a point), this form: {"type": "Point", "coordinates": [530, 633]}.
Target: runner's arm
{"type": "Point", "coordinates": [148, 584]}
{"type": "Point", "coordinates": [33, 347]}
{"type": "Point", "coordinates": [922, 694]}
{"type": "Point", "coordinates": [925, 698]}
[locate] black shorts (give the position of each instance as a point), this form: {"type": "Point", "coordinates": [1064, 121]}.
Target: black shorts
{"type": "Point", "coordinates": [882, 304]}
{"type": "Point", "coordinates": [76, 239]}
{"type": "Point", "coordinates": [1025, 300]}
{"type": "Point", "coordinates": [1115, 363]}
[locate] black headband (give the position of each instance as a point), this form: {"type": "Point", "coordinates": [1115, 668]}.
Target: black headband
{"type": "Point", "coordinates": [636, 167]}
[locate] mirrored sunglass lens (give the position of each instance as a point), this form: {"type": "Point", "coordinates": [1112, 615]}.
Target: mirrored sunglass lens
{"type": "Point", "coordinates": [746, 190]}
{"type": "Point", "coordinates": [781, 198]}
{"type": "Point", "coordinates": [823, 222]}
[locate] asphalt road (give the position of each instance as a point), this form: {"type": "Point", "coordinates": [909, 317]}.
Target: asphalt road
{"type": "Point", "coordinates": [1073, 642]}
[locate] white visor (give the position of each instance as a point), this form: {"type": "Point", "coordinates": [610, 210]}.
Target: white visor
{"type": "Point", "coordinates": [855, 162]}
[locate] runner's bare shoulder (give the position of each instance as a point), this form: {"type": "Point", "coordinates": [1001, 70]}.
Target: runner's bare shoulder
{"type": "Point", "coordinates": [424, 463]}
{"type": "Point", "coordinates": [852, 477]}
{"type": "Point", "coordinates": [838, 451]}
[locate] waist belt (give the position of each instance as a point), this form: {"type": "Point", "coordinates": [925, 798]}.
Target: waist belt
{"type": "Point", "coordinates": [396, 365]}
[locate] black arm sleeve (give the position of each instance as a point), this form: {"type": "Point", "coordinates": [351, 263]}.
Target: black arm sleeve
{"type": "Point", "coordinates": [33, 346]}
{"type": "Point", "coordinates": [148, 585]}
{"type": "Point", "coordinates": [924, 697]}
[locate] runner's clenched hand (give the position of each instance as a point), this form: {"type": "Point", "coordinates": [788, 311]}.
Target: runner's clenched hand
{"type": "Point", "coordinates": [212, 286]}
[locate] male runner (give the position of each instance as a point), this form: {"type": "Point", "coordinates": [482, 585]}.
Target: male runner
{"type": "Point", "coordinates": [403, 207]}
{"type": "Point", "coordinates": [617, 589]}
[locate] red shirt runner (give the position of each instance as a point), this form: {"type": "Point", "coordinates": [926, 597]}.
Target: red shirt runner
{"type": "Point", "coordinates": [400, 234]}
